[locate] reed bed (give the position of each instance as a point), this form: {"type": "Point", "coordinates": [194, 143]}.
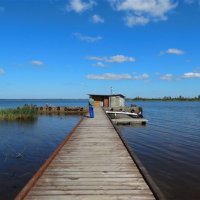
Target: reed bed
{"type": "Point", "coordinates": [22, 113]}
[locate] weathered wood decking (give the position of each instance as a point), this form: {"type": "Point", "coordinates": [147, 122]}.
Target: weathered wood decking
{"type": "Point", "coordinates": [92, 165]}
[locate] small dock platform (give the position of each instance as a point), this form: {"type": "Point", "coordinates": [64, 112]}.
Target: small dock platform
{"type": "Point", "coordinates": [129, 121]}
{"type": "Point", "coordinates": [125, 117]}
{"type": "Point", "coordinates": [91, 164]}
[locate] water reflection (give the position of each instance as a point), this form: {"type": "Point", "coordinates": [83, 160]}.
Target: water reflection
{"type": "Point", "coordinates": [24, 146]}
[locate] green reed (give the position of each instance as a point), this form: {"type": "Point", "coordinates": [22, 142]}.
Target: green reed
{"type": "Point", "coordinates": [22, 113]}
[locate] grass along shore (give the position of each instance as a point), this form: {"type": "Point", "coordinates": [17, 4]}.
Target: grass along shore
{"type": "Point", "coordinates": [23, 113]}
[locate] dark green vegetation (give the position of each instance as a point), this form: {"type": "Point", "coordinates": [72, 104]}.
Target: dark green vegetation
{"type": "Point", "coordinates": [29, 112]}
{"type": "Point", "coordinates": [23, 113]}
{"type": "Point", "coordinates": [166, 98]}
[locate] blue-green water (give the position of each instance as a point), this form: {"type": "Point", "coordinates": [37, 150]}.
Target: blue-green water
{"type": "Point", "coordinates": [10, 103]}
{"type": "Point", "coordinates": [24, 146]}
{"type": "Point", "coordinates": [168, 146]}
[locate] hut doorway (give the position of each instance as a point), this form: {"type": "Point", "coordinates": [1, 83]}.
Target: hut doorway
{"type": "Point", "coordinates": [106, 102]}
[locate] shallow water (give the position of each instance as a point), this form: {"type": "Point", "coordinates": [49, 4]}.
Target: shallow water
{"type": "Point", "coordinates": [25, 146]}
{"type": "Point", "coordinates": [169, 146]}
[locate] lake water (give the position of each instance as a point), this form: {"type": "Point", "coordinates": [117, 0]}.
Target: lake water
{"type": "Point", "coordinates": [168, 146]}
{"type": "Point", "coordinates": [51, 102]}
{"type": "Point", "coordinates": [24, 146]}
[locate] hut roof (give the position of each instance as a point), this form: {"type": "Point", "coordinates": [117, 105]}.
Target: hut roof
{"type": "Point", "coordinates": [107, 95]}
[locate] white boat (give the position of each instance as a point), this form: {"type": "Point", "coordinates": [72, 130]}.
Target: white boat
{"type": "Point", "coordinates": [126, 118]}
{"type": "Point", "coordinates": [122, 113]}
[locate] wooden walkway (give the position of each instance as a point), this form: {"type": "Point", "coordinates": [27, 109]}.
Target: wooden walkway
{"type": "Point", "coordinates": [92, 165]}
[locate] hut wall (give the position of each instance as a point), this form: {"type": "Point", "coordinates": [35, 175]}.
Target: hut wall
{"type": "Point", "coordinates": [117, 101]}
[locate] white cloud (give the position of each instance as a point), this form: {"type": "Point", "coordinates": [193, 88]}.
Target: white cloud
{"type": "Point", "coordinates": [141, 12]}
{"type": "Point", "coordinates": [131, 20]}
{"type": "Point", "coordinates": [37, 62]}
{"type": "Point", "coordinates": [97, 19]}
{"type": "Point", "coordinates": [80, 6]}
{"type": "Point", "coordinates": [141, 77]}
{"type": "Point", "coordinates": [167, 77]}
{"type": "Point", "coordinates": [121, 59]}
{"type": "Point", "coordinates": [191, 75]}
{"type": "Point", "coordinates": [157, 8]}
{"type": "Point", "coordinates": [99, 64]}
{"type": "Point", "coordinates": [2, 71]}
{"type": "Point", "coordinates": [87, 38]}
{"type": "Point", "coordinates": [173, 51]}
{"type": "Point", "coordinates": [188, 75]}
{"type": "Point", "coordinates": [111, 76]}
{"type": "Point", "coordinates": [113, 59]}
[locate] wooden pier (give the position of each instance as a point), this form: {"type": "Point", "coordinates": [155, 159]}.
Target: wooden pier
{"type": "Point", "coordinates": [91, 164]}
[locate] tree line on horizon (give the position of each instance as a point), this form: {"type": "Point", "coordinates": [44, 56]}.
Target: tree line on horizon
{"type": "Point", "coordinates": [166, 98]}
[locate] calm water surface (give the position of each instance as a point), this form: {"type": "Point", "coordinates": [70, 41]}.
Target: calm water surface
{"type": "Point", "coordinates": [169, 146]}
{"type": "Point", "coordinates": [25, 146]}
{"type": "Point", "coordinates": [10, 103]}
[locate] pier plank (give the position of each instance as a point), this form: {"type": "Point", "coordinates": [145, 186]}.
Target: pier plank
{"type": "Point", "coordinates": [92, 197]}
{"type": "Point", "coordinates": [93, 164]}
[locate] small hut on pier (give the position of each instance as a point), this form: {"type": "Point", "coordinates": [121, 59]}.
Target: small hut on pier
{"type": "Point", "coordinates": [113, 100]}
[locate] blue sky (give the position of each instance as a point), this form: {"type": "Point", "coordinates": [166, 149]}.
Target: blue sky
{"type": "Point", "coordinates": [69, 48]}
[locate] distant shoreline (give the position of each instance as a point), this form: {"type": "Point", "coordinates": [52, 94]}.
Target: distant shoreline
{"type": "Point", "coordinates": [42, 99]}
{"type": "Point", "coordinates": [127, 99]}
{"type": "Point", "coordinates": [164, 99]}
